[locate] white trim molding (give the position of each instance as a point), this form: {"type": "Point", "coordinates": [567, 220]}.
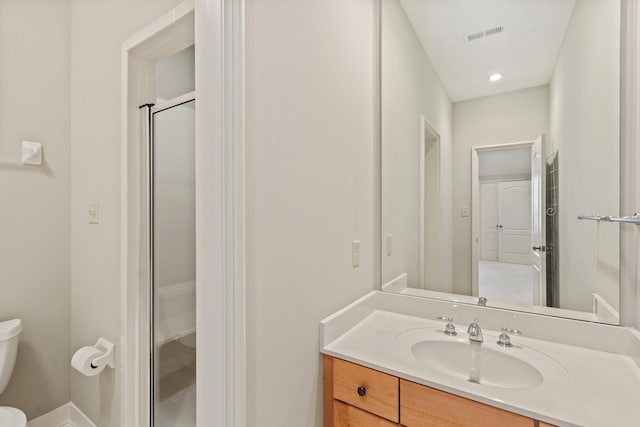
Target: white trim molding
{"type": "Point", "coordinates": [61, 417]}
{"type": "Point", "coordinates": [426, 128]}
{"type": "Point", "coordinates": [220, 213]}
{"type": "Point", "coordinates": [629, 160]}
{"type": "Point", "coordinates": [167, 35]}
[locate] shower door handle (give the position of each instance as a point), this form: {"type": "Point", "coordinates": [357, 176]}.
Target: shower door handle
{"type": "Point", "coordinates": [539, 248]}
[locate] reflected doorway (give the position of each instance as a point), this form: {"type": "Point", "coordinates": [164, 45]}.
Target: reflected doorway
{"type": "Point", "coordinates": [503, 222]}
{"type": "Point", "coordinates": [429, 207]}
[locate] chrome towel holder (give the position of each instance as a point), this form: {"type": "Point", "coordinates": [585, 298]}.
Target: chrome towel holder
{"type": "Point", "coordinates": [632, 219]}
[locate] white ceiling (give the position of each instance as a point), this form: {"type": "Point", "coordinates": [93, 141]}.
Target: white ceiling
{"type": "Point", "coordinates": [524, 53]}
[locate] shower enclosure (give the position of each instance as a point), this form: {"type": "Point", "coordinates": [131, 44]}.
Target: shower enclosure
{"type": "Point", "coordinates": [170, 180]}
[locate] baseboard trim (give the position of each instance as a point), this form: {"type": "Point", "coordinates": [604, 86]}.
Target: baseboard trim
{"type": "Point", "coordinates": [59, 417]}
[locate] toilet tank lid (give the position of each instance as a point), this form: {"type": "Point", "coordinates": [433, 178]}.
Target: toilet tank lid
{"type": "Point", "coordinates": [10, 328]}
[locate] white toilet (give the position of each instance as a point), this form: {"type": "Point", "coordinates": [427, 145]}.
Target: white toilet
{"type": "Point", "coordinates": [9, 331]}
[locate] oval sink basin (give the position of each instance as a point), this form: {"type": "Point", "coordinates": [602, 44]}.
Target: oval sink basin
{"type": "Point", "coordinates": [477, 364]}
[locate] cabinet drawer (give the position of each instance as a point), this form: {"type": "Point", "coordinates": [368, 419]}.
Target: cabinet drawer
{"type": "Point", "coordinates": [349, 416]}
{"type": "Point", "coordinates": [366, 389]}
{"type": "Point", "coordinates": [422, 406]}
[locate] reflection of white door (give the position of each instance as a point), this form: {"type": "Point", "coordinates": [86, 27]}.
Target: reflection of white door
{"type": "Point", "coordinates": [506, 221]}
{"type": "Point", "coordinates": [489, 221]}
{"type": "Point", "coordinates": [538, 225]}
{"type": "Point", "coordinates": [514, 229]}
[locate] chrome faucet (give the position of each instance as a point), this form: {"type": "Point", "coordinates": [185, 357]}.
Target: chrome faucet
{"type": "Point", "coordinates": [482, 301]}
{"type": "Point", "coordinates": [475, 332]}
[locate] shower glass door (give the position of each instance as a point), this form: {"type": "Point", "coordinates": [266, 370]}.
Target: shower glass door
{"type": "Point", "coordinates": [173, 265]}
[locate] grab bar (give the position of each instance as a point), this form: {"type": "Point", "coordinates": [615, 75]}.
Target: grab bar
{"type": "Point", "coordinates": [633, 219]}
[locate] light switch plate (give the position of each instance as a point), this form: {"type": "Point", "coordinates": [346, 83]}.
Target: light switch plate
{"type": "Point", "coordinates": [355, 253]}
{"type": "Point", "coordinates": [93, 212]}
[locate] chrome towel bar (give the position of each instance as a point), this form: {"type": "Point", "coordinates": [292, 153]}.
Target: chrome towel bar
{"type": "Point", "coordinates": [633, 219]}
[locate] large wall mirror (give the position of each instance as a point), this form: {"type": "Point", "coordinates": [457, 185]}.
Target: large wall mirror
{"type": "Point", "coordinates": [500, 150]}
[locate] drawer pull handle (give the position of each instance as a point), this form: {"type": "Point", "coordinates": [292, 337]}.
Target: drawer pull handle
{"type": "Point", "coordinates": [362, 391]}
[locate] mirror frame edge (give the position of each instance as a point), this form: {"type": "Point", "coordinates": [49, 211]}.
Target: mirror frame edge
{"type": "Point", "coordinates": [629, 157]}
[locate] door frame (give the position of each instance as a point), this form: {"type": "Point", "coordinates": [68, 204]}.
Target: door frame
{"type": "Point", "coordinates": [425, 128]}
{"type": "Point", "coordinates": [217, 29]}
{"type": "Point", "coordinates": [475, 203]}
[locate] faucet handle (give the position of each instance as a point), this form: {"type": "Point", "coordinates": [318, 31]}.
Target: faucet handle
{"type": "Point", "coordinates": [450, 328]}
{"type": "Point", "coordinates": [504, 340]}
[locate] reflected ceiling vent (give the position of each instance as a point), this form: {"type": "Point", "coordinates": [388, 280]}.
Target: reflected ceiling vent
{"type": "Point", "coordinates": [494, 30]}
{"type": "Point", "coordinates": [475, 36]}
{"type": "Point", "coordinates": [486, 33]}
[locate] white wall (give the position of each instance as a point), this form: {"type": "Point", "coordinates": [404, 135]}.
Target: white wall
{"type": "Point", "coordinates": [34, 200]}
{"type": "Point", "coordinates": [510, 117]}
{"type": "Point", "coordinates": [411, 88]}
{"type": "Point", "coordinates": [98, 29]}
{"type": "Point", "coordinates": [310, 185]}
{"type": "Point", "coordinates": [175, 198]}
{"type": "Point", "coordinates": [176, 75]}
{"type": "Point", "coordinates": [584, 103]}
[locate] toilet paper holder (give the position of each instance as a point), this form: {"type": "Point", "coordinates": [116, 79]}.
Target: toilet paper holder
{"type": "Point", "coordinates": [109, 356]}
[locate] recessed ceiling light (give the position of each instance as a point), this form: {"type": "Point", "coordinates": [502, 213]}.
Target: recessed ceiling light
{"type": "Point", "coordinates": [495, 77]}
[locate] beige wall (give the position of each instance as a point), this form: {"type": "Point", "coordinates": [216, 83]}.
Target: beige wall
{"type": "Point", "coordinates": [98, 30]}
{"type": "Point", "coordinates": [515, 116]}
{"type": "Point", "coordinates": [34, 200]}
{"type": "Point", "coordinates": [585, 129]}
{"type": "Point", "coordinates": [410, 89]}
{"type": "Point", "coordinates": [310, 186]}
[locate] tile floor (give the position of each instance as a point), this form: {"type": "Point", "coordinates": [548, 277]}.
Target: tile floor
{"type": "Point", "coordinates": [502, 281]}
{"type": "Point", "coordinates": [177, 406]}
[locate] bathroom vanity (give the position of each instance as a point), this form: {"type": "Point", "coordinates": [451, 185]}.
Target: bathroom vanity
{"type": "Point", "coordinates": [387, 362]}
{"type": "Point", "coordinates": [356, 395]}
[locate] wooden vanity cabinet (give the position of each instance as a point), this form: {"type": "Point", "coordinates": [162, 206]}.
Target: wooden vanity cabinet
{"type": "Point", "coordinates": [358, 396]}
{"type": "Point", "coordinates": [422, 406]}
{"type": "Point", "coordinates": [355, 396]}
{"type": "Point", "coordinates": [349, 416]}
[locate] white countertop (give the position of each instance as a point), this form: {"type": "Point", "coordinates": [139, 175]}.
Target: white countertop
{"type": "Point", "coordinates": [600, 389]}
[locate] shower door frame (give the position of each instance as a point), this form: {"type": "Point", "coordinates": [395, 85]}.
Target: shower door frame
{"type": "Point", "coordinates": [151, 110]}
